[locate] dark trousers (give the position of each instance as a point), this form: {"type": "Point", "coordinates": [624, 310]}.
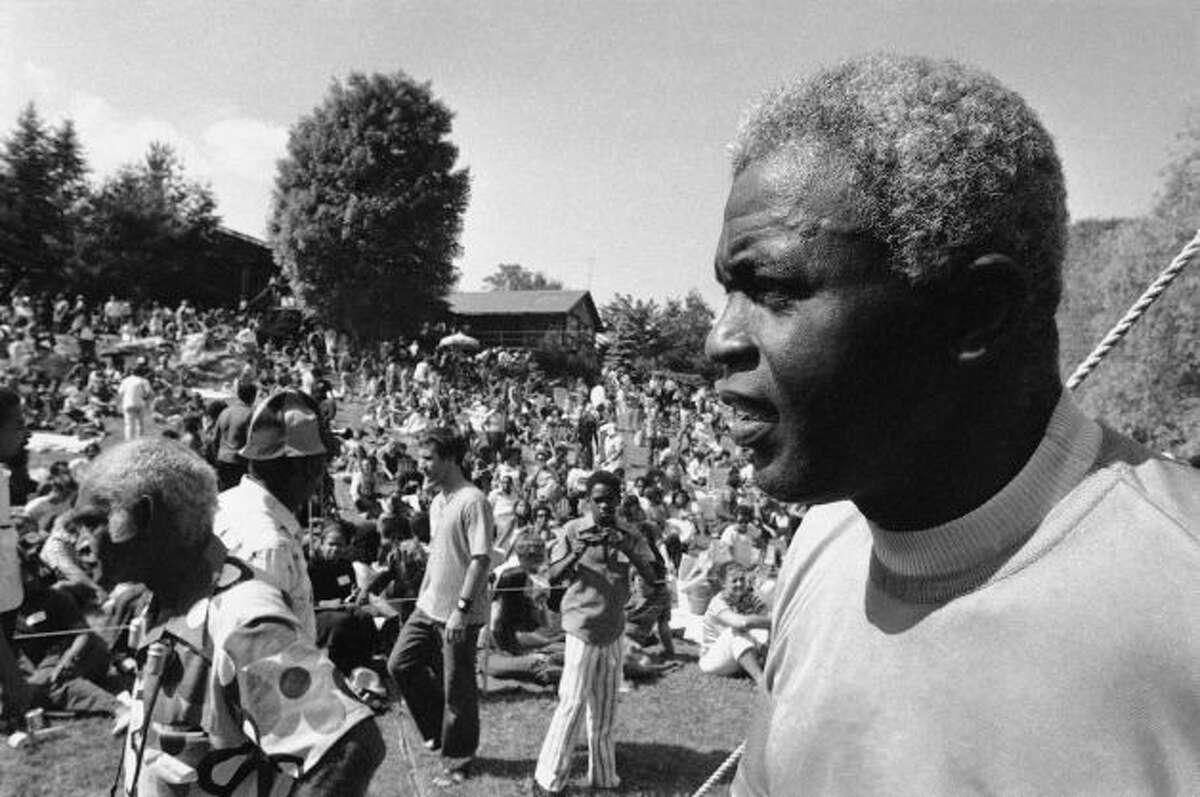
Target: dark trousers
{"type": "Point", "coordinates": [229, 474]}
{"type": "Point", "coordinates": [348, 637]}
{"type": "Point", "coordinates": [437, 681]}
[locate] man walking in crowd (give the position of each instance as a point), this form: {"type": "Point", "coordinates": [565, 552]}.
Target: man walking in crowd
{"type": "Point", "coordinates": [230, 433]}
{"type": "Point", "coordinates": [592, 557]}
{"type": "Point", "coordinates": [998, 592]}
{"type": "Point", "coordinates": [433, 660]}
{"type": "Point", "coordinates": [256, 520]}
{"type": "Point", "coordinates": [233, 696]}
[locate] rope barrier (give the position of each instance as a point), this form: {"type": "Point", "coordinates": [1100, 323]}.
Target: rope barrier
{"type": "Point", "coordinates": [1135, 312]}
{"type": "Point", "coordinates": [726, 767]}
{"type": "Point", "coordinates": [389, 601]}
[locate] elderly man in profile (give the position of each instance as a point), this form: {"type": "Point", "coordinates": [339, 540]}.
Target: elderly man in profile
{"type": "Point", "coordinates": [995, 593]}
{"type": "Point", "coordinates": [232, 696]}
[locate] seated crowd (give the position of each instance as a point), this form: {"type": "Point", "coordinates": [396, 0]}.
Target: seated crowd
{"type": "Point", "coordinates": [533, 442]}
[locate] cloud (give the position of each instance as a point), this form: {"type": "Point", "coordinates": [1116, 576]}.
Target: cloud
{"type": "Point", "coordinates": [235, 154]}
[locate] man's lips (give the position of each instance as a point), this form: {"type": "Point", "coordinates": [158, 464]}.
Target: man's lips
{"type": "Point", "coordinates": [752, 418]}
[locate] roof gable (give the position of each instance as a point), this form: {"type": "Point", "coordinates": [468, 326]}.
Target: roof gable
{"type": "Point", "coordinates": [521, 302]}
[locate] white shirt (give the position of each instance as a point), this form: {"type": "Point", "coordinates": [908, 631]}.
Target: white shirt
{"type": "Point", "coordinates": [264, 534]}
{"type": "Point", "coordinates": [11, 592]}
{"type": "Point", "coordinates": [134, 392]}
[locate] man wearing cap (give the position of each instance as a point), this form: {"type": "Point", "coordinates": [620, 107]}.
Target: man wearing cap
{"type": "Point", "coordinates": [256, 520]}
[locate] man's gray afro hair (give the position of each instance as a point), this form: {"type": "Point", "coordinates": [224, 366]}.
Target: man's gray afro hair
{"type": "Point", "coordinates": [949, 164]}
{"type": "Point", "coordinates": [180, 482]}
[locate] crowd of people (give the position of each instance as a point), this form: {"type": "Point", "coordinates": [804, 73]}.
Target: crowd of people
{"type": "Point", "coordinates": [316, 449]}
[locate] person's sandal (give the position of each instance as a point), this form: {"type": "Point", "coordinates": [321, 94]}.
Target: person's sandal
{"type": "Point", "coordinates": [453, 774]}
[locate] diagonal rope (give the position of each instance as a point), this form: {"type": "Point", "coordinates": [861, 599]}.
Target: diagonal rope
{"type": "Point", "coordinates": [1135, 312]}
{"type": "Point", "coordinates": [726, 767]}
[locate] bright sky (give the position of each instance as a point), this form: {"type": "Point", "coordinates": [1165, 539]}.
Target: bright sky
{"type": "Point", "coordinates": [595, 132]}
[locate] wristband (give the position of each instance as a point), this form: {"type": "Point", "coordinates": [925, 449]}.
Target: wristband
{"type": "Point", "coordinates": [464, 604]}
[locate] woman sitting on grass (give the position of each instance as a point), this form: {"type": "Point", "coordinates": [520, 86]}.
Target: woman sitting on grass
{"type": "Point", "coordinates": [735, 626]}
{"type": "Point", "coordinates": [342, 627]}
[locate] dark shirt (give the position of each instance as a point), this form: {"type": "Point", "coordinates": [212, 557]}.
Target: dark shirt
{"type": "Point", "coordinates": [331, 579]}
{"type": "Point", "coordinates": [46, 610]}
{"type": "Point", "coordinates": [231, 427]}
{"type": "Point", "coordinates": [517, 610]}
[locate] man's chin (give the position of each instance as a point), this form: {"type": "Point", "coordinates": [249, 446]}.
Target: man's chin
{"type": "Point", "coordinates": [787, 480]}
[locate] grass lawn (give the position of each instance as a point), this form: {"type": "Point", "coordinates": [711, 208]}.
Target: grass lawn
{"type": "Point", "coordinates": [671, 735]}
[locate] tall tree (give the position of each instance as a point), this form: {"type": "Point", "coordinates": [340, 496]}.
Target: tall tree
{"type": "Point", "coordinates": [515, 277]}
{"type": "Point", "coordinates": [634, 333]}
{"type": "Point", "coordinates": [43, 194]}
{"type": "Point", "coordinates": [70, 196]}
{"type": "Point", "coordinates": [28, 210]}
{"type": "Point", "coordinates": [685, 324]}
{"type": "Point", "coordinates": [368, 206]}
{"type": "Point", "coordinates": [150, 231]}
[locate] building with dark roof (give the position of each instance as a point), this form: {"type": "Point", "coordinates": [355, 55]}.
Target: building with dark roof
{"type": "Point", "coordinates": [565, 320]}
{"type": "Point", "coordinates": [242, 267]}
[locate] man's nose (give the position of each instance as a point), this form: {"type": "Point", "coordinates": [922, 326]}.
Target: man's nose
{"type": "Point", "coordinates": [729, 342]}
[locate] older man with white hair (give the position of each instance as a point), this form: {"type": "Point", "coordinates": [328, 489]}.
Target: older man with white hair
{"type": "Point", "coordinates": [997, 594]}
{"type": "Point", "coordinates": [232, 696]}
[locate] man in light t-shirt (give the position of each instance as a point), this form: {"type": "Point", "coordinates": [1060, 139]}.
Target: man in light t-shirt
{"type": "Point", "coordinates": [452, 606]}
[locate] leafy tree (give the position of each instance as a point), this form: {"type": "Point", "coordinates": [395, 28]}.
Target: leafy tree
{"type": "Point", "coordinates": [150, 232]}
{"type": "Point", "coordinates": [684, 325]}
{"type": "Point", "coordinates": [29, 213]}
{"type": "Point", "coordinates": [368, 206]}
{"type": "Point", "coordinates": [515, 277]}
{"type": "Point", "coordinates": [43, 193]}
{"type": "Point", "coordinates": [1149, 386]}
{"type": "Point", "coordinates": [633, 332]}
{"type": "Point", "coordinates": [645, 336]}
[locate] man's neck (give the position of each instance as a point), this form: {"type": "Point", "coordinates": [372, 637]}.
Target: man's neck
{"type": "Point", "coordinates": [182, 586]}
{"type": "Point", "coordinates": [978, 452]}
{"type": "Point", "coordinates": [454, 481]}
{"type": "Point", "coordinates": [274, 493]}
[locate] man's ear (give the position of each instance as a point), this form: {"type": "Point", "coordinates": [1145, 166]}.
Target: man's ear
{"type": "Point", "coordinates": [142, 513]}
{"type": "Point", "coordinates": [989, 296]}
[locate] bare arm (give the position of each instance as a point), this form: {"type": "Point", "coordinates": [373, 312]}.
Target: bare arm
{"type": "Point", "coordinates": [562, 567]}
{"type": "Point", "coordinates": [347, 768]}
{"type": "Point", "coordinates": [476, 572]}
{"type": "Point", "coordinates": [743, 622]}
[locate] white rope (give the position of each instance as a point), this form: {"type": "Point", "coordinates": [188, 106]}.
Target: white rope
{"type": "Point", "coordinates": [1135, 312]}
{"type": "Point", "coordinates": [390, 601]}
{"type": "Point", "coordinates": [726, 767]}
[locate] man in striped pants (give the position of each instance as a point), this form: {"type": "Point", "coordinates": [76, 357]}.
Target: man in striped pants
{"type": "Point", "coordinates": [592, 557]}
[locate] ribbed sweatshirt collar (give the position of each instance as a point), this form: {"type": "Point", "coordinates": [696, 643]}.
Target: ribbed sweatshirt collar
{"type": "Point", "coordinates": [1002, 523]}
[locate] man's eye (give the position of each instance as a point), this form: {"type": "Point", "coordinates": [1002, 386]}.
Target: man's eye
{"type": "Point", "coordinates": [772, 295]}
